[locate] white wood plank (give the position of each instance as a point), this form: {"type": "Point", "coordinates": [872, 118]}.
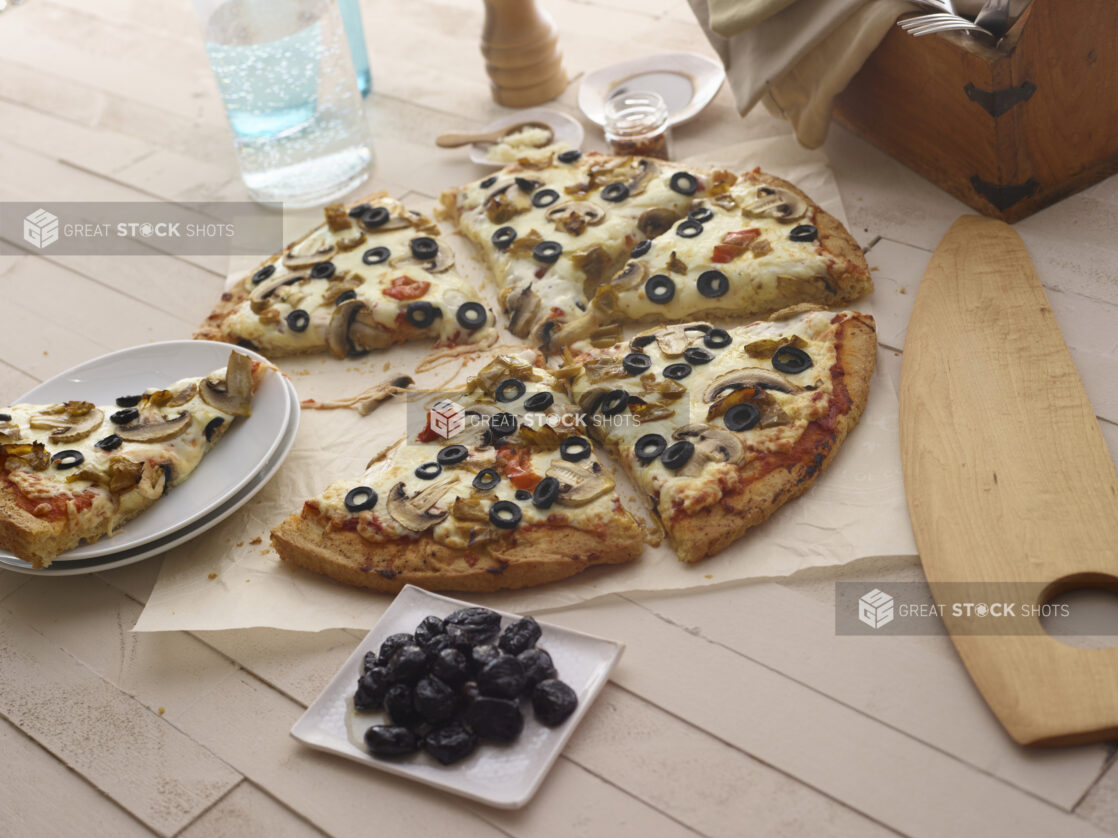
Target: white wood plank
{"type": "Point", "coordinates": [897, 271]}
{"type": "Point", "coordinates": [10, 582]}
{"type": "Point", "coordinates": [14, 383]}
{"type": "Point", "coordinates": [135, 580]}
{"type": "Point", "coordinates": [128, 752]}
{"type": "Point", "coordinates": [1100, 804]}
{"type": "Point", "coordinates": [39, 796]}
{"type": "Point", "coordinates": [247, 812]}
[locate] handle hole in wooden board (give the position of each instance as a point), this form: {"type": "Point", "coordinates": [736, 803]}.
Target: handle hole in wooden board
{"type": "Point", "coordinates": [1082, 611]}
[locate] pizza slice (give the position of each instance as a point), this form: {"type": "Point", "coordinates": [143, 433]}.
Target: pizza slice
{"type": "Point", "coordinates": [372, 275]}
{"type": "Point", "coordinates": [76, 471]}
{"type": "Point", "coordinates": [721, 427]}
{"type": "Point", "coordinates": [753, 245]}
{"type": "Point", "coordinates": [552, 232]}
{"type": "Point", "coordinates": [501, 490]}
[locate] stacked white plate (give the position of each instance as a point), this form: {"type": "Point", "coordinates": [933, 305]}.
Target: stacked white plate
{"type": "Point", "coordinates": [238, 467]}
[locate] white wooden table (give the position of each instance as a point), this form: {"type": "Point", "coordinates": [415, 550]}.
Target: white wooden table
{"type": "Point", "coordinates": [734, 712]}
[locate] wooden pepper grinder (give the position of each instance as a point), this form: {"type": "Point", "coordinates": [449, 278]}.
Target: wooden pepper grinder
{"type": "Point", "coordinates": [520, 43]}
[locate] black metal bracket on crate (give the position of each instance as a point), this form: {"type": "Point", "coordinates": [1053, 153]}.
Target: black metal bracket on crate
{"type": "Point", "coordinates": [1003, 197]}
{"type": "Point", "coordinates": [997, 102]}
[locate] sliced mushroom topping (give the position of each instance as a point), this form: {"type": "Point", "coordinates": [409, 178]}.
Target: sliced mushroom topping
{"type": "Point", "coordinates": [339, 287]}
{"type": "Point", "coordinates": [656, 221]}
{"type": "Point", "coordinates": [79, 428]}
{"type": "Point", "coordinates": [260, 298]}
{"type": "Point", "coordinates": [673, 340]}
{"type": "Point", "coordinates": [310, 251]}
{"type": "Point", "coordinates": [770, 202]}
{"type": "Point", "coordinates": [595, 263]}
{"type": "Point", "coordinates": [472, 510]}
{"type": "Point", "coordinates": [588, 401]}
{"type": "Point", "coordinates": [366, 334]}
{"type": "Point", "coordinates": [522, 309]}
{"type": "Point", "coordinates": [575, 216]}
{"type": "Point", "coordinates": [644, 170]}
{"type": "Point", "coordinates": [120, 475]}
{"type": "Point", "coordinates": [726, 200]}
{"type": "Point", "coordinates": [578, 485]}
{"type": "Point", "coordinates": [233, 394]}
{"type": "Point", "coordinates": [32, 454]}
{"type": "Point", "coordinates": [505, 203]}
{"type": "Point", "coordinates": [714, 444]}
{"type": "Point", "coordinates": [553, 335]}
{"type": "Point", "coordinates": [337, 332]}
{"type": "Point", "coordinates": [749, 377]}
{"type": "Point", "coordinates": [417, 512]}
{"type": "Point", "coordinates": [158, 431]}
{"type": "Point", "coordinates": [68, 422]}
{"type": "Point", "coordinates": [631, 276]}
{"type": "Point", "coordinates": [9, 432]}
{"type": "Point", "coordinates": [169, 398]}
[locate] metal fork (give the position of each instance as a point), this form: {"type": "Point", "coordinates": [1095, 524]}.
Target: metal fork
{"type": "Point", "coordinates": [933, 23]}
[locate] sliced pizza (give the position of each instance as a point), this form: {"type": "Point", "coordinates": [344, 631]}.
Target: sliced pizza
{"type": "Point", "coordinates": [372, 275]}
{"type": "Point", "coordinates": [499, 490]}
{"type": "Point", "coordinates": [721, 427]}
{"type": "Point", "coordinates": [76, 471]}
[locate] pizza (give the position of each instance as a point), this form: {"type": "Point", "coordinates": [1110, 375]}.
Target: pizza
{"type": "Point", "coordinates": [500, 490]}
{"type": "Point", "coordinates": [370, 276]}
{"type": "Point", "coordinates": [721, 427]}
{"type": "Point", "coordinates": [581, 243]}
{"type": "Point", "coordinates": [76, 471]}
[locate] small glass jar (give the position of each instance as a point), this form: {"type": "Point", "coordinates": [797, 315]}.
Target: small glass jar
{"type": "Point", "coordinates": [637, 124]}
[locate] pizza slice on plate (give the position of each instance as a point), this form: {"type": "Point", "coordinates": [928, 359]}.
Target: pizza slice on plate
{"type": "Point", "coordinates": [372, 275]}
{"type": "Point", "coordinates": [721, 427]}
{"type": "Point", "coordinates": [77, 471]}
{"type": "Point", "coordinates": [510, 494]}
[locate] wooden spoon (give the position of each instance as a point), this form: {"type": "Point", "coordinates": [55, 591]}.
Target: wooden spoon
{"type": "Point", "coordinates": [457, 140]}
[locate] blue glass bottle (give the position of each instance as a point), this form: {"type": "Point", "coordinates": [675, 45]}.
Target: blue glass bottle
{"type": "Point", "coordinates": [355, 34]}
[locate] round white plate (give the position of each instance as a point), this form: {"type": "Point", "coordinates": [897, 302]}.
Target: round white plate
{"type": "Point", "coordinates": [127, 557]}
{"type": "Point", "coordinates": [241, 453]}
{"type": "Point", "coordinates": [567, 130]}
{"type": "Point", "coordinates": [686, 81]}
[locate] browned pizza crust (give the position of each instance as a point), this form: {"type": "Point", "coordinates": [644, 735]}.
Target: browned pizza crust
{"type": "Point", "coordinates": [704, 533]}
{"type": "Point", "coordinates": [523, 558]}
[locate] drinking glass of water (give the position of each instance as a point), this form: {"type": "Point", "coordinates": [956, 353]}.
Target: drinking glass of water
{"type": "Point", "coordinates": [290, 91]}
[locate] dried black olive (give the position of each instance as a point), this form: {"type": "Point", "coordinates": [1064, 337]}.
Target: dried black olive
{"type": "Point", "coordinates": [123, 417]}
{"type": "Point", "coordinates": [450, 743]}
{"type": "Point", "coordinates": [717, 339]}
{"type": "Point", "coordinates": [537, 666]}
{"type": "Point", "coordinates": [575, 448]}
{"type": "Point", "coordinates": [636, 362]}
{"type": "Point", "coordinates": [509, 390]}
{"type": "Point", "coordinates": [391, 645]}
{"type": "Point", "coordinates": [615, 192]}
{"type": "Point", "coordinates": [502, 424]}
{"type": "Point", "coordinates": [452, 455]}
{"type": "Point", "coordinates": [742, 417]}
{"type": "Point", "coordinates": [545, 198]}
{"type": "Point", "coordinates": [375, 217]}
{"type": "Point", "coordinates": [568, 156]}
{"type": "Point", "coordinates": [369, 662]}
{"type": "Point", "coordinates": [376, 255]}
{"type": "Point", "coordinates": [359, 210]}
{"type": "Point", "coordinates": [473, 625]}
{"type": "Point", "coordinates": [539, 401]}
{"type": "Point", "coordinates": [430, 627]}
{"type": "Point", "coordinates": [263, 274]}
{"type": "Point", "coordinates": [486, 480]}
{"type": "Point", "coordinates": [553, 702]}
{"type": "Point", "coordinates": [519, 636]}
{"type": "Point", "coordinates": [614, 402]}
{"type": "Point", "coordinates": [484, 654]}
{"type": "Point", "coordinates": [712, 283]}
{"type": "Point", "coordinates": [435, 700]}
{"type": "Point", "coordinates": [649, 447]}
{"type": "Point", "coordinates": [505, 515]}
{"type": "Point", "coordinates": [677, 454]}
{"type": "Point", "coordinates": [503, 237]}
{"type": "Point", "coordinates": [428, 471]}
{"type": "Point", "coordinates": [502, 677]}
{"type": "Point", "coordinates": [422, 314]}
{"type": "Point", "coordinates": [109, 443]}
{"type": "Point", "coordinates": [489, 181]}
{"type": "Point", "coordinates": [495, 718]}
{"type": "Point", "coordinates": [684, 183]}
{"type": "Point", "coordinates": [701, 214]}
{"type": "Point", "coordinates": [471, 316]}
{"type": "Point", "coordinates": [659, 289]}
{"type": "Point", "coordinates": [791, 360]}
{"type": "Point", "coordinates": [434, 647]}
{"type": "Point", "coordinates": [360, 499]}
{"type": "Point", "coordinates": [641, 249]}
{"type": "Point", "coordinates": [371, 689]}
{"type": "Point", "coordinates": [696, 355]}
{"type": "Point", "coordinates": [70, 458]}
{"type": "Point", "coordinates": [804, 233]}
{"type": "Point", "coordinates": [323, 270]}
{"type": "Point", "coordinates": [407, 665]}
{"type": "Point", "coordinates": [469, 691]}
{"type": "Point", "coordinates": [546, 493]}
{"type": "Point", "coordinates": [689, 229]}
{"type": "Point", "coordinates": [547, 252]}
{"type": "Point", "coordinates": [526, 185]}
{"type": "Point", "coordinates": [451, 666]}
{"type": "Point", "coordinates": [390, 741]}
{"type": "Point", "coordinates": [677, 371]}
{"type": "Point", "coordinates": [298, 320]}
{"type": "Point", "coordinates": [399, 701]}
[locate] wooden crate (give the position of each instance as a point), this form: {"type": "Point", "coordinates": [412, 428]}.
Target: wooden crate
{"type": "Point", "coordinates": [1008, 130]}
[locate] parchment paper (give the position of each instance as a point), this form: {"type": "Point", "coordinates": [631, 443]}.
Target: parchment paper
{"type": "Point", "coordinates": [856, 508]}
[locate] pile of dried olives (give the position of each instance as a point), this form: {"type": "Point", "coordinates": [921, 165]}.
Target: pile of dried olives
{"type": "Point", "coordinates": [456, 681]}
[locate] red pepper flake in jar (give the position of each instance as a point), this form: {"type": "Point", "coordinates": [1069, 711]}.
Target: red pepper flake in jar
{"type": "Point", "coordinates": [637, 124]}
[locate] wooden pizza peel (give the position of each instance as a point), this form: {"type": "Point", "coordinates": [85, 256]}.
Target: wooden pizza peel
{"type": "Point", "coordinates": [1011, 489]}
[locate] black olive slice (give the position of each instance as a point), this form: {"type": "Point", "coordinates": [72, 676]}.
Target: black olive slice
{"type": "Point", "coordinates": [522, 494]}
{"type": "Point", "coordinates": [422, 314]}
{"type": "Point", "coordinates": [545, 198]}
{"type": "Point", "coordinates": [636, 362]}
{"type": "Point", "coordinates": [471, 316]}
{"type": "Point", "coordinates": [502, 424]}
{"type": "Point", "coordinates": [677, 454]}
{"type": "Point", "coordinates": [527, 185]}
{"type": "Point", "coordinates": [452, 455]}
{"type": "Point", "coordinates": [67, 459]}
{"type": "Point", "coordinates": [615, 192]}
{"type": "Point", "coordinates": [323, 270]}
{"type": "Point", "coordinates": [689, 229]}
{"type": "Point", "coordinates": [568, 156]}
{"type": "Point", "coordinates": [5, 417]}
{"type": "Point", "coordinates": [742, 417]}
{"type": "Point", "coordinates": [649, 447]}
{"type": "Point", "coordinates": [128, 401]}
{"type": "Point", "coordinates": [697, 327]}
{"type": "Point", "coordinates": [345, 297]}
{"type": "Point", "coordinates": [539, 401]}
{"type": "Point", "coordinates": [546, 492]}
{"type": "Point", "coordinates": [712, 283]}
{"type": "Point", "coordinates": [489, 181]}
{"type": "Point", "coordinates": [677, 371]}
{"type": "Point", "coordinates": [298, 320]}
{"type": "Point", "coordinates": [503, 237]}
{"type": "Point", "coordinates": [574, 448]}
{"type": "Point", "coordinates": [641, 341]}
{"type": "Point", "coordinates": [791, 360]}
{"type": "Point", "coordinates": [696, 355]}
{"type": "Point", "coordinates": [486, 479]}
{"type": "Point", "coordinates": [376, 255]}
{"type": "Point", "coordinates": [804, 233]}
{"type": "Point", "coordinates": [717, 339]}
{"type": "Point", "coordinates": [424, 248]}
{"type": "Point", "coordinates": [211, 427]}
{"type": "Point", "coordinates": [684, 183]}
{"type": "Point", "coordinates": [641, 249]}
{"type": "Point", "coordinates": [701, 214]}
{"type": "Point", "coordinates": [359, 210]}
{"type": "Point", "coordinates": [509, 390]}
{"type": "Point", "coordinates": [428, 471]}
{"type": "Point", "coordinates": [263, 274]}
{"type": "Point", "coordinates": [614, 402]}
{"type": "Point", "coordinates": [505, 515]}
{"type": "Point", "coordinates": [123, 417]}
{"type": "Point", "coordinates": [360, 499]}
{"type": "Point", "coordinates": [109, 443]}
{"type": "Point", "coordinates": [547, 252]}
{"type": "Point", "coordinates": [766, 190]}
{"type": "Point", "coordinates": [659, 289]}
{"type": "Point", "coordinates": [375, 217]}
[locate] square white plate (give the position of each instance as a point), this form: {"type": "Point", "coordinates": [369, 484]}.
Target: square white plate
{"type": "Point", "coordinates": [501, 775]}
